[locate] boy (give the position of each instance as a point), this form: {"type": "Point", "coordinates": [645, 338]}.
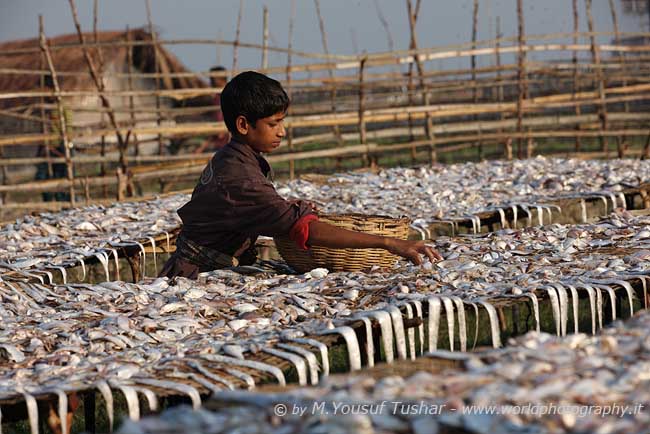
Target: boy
{"type": "Point", "coordinates": [235, 200]}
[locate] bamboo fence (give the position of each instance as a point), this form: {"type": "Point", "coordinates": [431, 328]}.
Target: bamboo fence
{"type": "Point", "coordinates": [526, 89]}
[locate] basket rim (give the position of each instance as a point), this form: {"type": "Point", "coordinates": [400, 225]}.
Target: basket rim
{"type": "Point", "coordinates": [401, 218]}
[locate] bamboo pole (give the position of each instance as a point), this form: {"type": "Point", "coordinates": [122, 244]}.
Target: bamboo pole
{"type": "Point", "coordinates": [265, 38]}
{"type": "Point", "coordinates": [362, 108]}
{"type": "Point", "coordinates": [330, 72]}
{"type": "Point", "coordinates": [235, 48]}
{"type": "Point", "coordinates": [180, 94]}
{"type": "Point", "coordinates": [507, 146]}
{"type": "Point", "coordinates": [634, 93]}
{"type": "Point", "coordinates": [157, 68]}
{"type": "Point", "coordinates": [384, 61]}
{"type": "Point", "coordinates": [292, 16]}
{"type": "Point", "coordinates": [521, 59]}
{"type": "Point", "coordinates": [102, 166]}
{"type": "Point", "coordinates": [473, 66]}
{"type": "Point", "coordinates": [540, 68]}
{"type": "Point", "coordinates": [413, 16]}
{"type": "Point", "coordinates": [621, 141]}
{"type": "Point", "coordinates": [61, 110]}
{"type": "Point", "coordinates": [99, 84]}
{"type": "Point", "coordinates": [428, 127]}
{"type": "Point", "coordinates": [129, 61]}
{"type": "Point", "coordinates": [320, 153]}
{"type": "Point", "coordinates": [411, 83]}
{"type": "Point", "coordinates": [600, 83]}
{"type": "Point", "coordinates": [345, 57]}
{"type": "Point", "coordinates": [576, 85]}
{"type": "Point", "coordinates": [44, 121]}
{"type": "Point", "coordinates": [447, 128]}
{"type": "Point", "coordinates": [384, 24]}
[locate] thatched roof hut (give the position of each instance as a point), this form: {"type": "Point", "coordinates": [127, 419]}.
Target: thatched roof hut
{"type": "Point", "coordinates": [25, 58]}
{"type": "Point", "coordinates": [21, 70]}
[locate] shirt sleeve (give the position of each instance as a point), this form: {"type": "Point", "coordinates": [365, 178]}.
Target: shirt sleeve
{"type": "Point", "coordinates": [299, 233]}
{"type": "Point", "coordinates": [259, 210]}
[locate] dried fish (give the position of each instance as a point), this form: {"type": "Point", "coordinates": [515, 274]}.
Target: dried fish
{"type": "Point", "coordinates": [243, 376]}
{"type": "Point", "coordinates": [449, 314]}
{"type": "Point", "coordinates": [321, 347]}
{"type": "Point", "coordinates": [32, 412]}
{"type": "Point", "coordinates": [462, 327]}
{"type": "Point", "coordinates": [296, 360]}
{"type": "Point", "coordinates": [312, 363]}
{"type": "Point", "coordinates": [63, 409]}
{"type": "Point", "coordinates": [494, 323]}
{"type": "Point", "coordinates": [434, 322]}
{"type": "Point", "coordinates": [277, 373]}
{"type": "Point", "coordinates": [410, 332]}
{"type": "Point", "coordinates": [195, 364]}
{"type": "Point", "coordinates": [354, 355]}
{"type": "Point", "coordinates": [186, 389]}
{"type": "Point", "coordinates": [105, 390]}
{"type": "Point", "coordinates": [386, 327]}
{"type": "Point", "coordinates": [398, 330]}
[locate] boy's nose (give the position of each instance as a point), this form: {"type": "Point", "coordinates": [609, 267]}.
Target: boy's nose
{"type": "Point", "coordinates": [281, 131]}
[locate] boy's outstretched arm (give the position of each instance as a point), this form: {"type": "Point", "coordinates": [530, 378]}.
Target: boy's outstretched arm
{"type": "Point", "coordinates": [326, 235]}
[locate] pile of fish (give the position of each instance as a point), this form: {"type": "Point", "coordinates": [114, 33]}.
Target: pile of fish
{"type": "Point", "coordinates": [155, 336]}
{"type": "Point", "coordinates": [38, 246]}
{"type": "Point", "coordinates": [53, 241]}
{"type": "Point", "coordinates": [538, 384]}
{"type": "Point", "coordinates": [461, 191]}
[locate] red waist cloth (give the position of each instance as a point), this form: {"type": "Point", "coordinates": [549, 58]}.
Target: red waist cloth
{"type": "Point", "coordinates": [299, 233]}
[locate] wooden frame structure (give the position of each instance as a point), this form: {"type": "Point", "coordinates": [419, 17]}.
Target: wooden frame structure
{"type": "Point", "coordinates": [506, 95]}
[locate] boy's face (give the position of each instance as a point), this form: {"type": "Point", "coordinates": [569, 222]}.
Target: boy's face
{"type": "Point", "coordinates": [267, 133]}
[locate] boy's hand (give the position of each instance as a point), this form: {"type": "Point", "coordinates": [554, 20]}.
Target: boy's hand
{"type": "Point", "coordinates": [412, 250]}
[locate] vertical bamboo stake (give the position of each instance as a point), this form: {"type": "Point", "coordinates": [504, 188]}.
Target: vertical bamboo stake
{"type": "Point", "coordinates": [473, 65]}
{"type": "Point", "coordinates": [330, 71]}
{"type": "Point", "coordinates": [411, 84]}
{"type": "Point", "coordinates": [102, 149]}
{"type": "Point", "coordinates": [521, 79]}
{"type": "Point", "coordinates": [157, 69]}
{"type": "Point", "coordinates": [646, 148]}
{"type": "Point", "coordinates": [129, 61]}
{"type": "Point", "coordinates": [362, 109]}
{"type": "Point", "coordinates": [428, 126]}
{"type": "Point", "coordinates": [507, 148]}
{"type": "Point", "coordinates": [265, 39]}
{"type": "Point", "coordinates": [44, 120]}
{"type": "Point", "coordinates": [123, 142]}
{"type": "Point", "coordinates": [595, 54]}
{"type": "Point", "coordinates": [622, 141]}
{"type": "Point", "coordinates": [576, 85]}
{"type": "Point", "coordinates": [292, 163]}
{"type": "Point", "coordinates": [384, 23]}
{"type": "Point", "coordinates": [235, 47]}
{"type": "Point", "coordinates": [389, 34]}
{"type": "Point", "coordinates": [59, 103]}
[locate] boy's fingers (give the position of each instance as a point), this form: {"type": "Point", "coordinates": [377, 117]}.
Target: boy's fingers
{"type": "Point", "coordinates": [415, 258]}
{"type": "Point", "coordinates": [437, 255]}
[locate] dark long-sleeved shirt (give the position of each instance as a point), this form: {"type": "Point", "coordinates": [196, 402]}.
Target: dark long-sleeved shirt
{"type": "Point", "coordinates": [235, 202]}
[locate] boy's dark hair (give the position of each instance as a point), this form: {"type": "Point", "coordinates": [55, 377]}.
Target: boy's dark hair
{"type": "Point", "coordinates": [254, 96]}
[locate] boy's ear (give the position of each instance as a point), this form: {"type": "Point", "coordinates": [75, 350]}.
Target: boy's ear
{"type": "Point", "coordinates": [241, 123]}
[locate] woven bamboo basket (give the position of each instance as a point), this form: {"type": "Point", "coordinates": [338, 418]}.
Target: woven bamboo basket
{"type": "Point", "coordinates": [346, 259]}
